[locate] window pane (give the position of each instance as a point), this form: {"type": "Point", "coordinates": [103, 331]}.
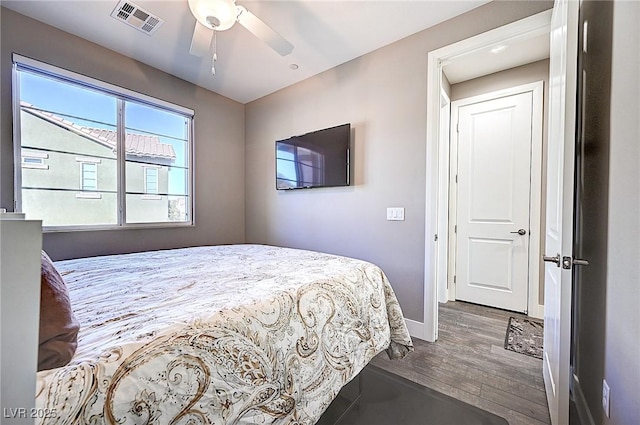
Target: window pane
{"type": "Point", "coordinates": [74, 128]}
{"type": "Point", "coordinates": [151, 180]}
{"type": "Point", "coordinates": [89, 176]}
{"type": "Point", "coordinates": [156, 137]}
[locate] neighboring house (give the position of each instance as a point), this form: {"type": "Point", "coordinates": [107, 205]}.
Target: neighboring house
{"type": "Point", "coordinates": [52, 146]}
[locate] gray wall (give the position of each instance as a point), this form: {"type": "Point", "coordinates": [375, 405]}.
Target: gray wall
{"type": "Point", "coordinates": [533, 72]}
{"type": "Point", "coordinates": [622, 346]}
{"type": "Point", "coordinates": [219, 138]}
{"type": "Point", "coordinates": [383, 96]}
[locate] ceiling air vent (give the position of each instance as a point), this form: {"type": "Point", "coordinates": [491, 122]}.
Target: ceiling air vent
{"type": "Point", "coordinates": [136, 17]}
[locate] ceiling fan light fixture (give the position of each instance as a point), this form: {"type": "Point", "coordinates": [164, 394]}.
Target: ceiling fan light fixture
{"type": "Point", "coordinates": [217, 15]}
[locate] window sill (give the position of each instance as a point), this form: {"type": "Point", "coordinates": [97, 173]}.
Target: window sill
{"type": "Point", "coordinates": [89, 195]}
{"type": "Point", "coordinates": [35, 166]}
{"type": "Point", "coordinates": [133, 226]}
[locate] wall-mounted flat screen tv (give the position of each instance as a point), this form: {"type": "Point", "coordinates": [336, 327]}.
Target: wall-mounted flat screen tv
{"type": "Point", "coordinates": [316, 159]}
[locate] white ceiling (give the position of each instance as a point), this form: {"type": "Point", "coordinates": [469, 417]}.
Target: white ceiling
{"type": "Point", "coordinates": [324, 33]}
{"type": "Point", "coordinates": [517, 52]}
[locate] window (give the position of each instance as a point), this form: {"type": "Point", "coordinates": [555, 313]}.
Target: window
{"type": "Point", "coordinates": [89, 176]}
{"type": "Point", "coordinates": [114, 158]}
{"type": "Point", "coordinates": [34, 160]}
{"type": "Point", "coordinates": [151, 180]}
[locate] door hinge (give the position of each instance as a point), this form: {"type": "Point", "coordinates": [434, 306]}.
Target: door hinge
{"type": "Point", "coordinates": [458, 128]}
{"type": "Point", "coordinates": [435, 239]}
{"type": "Point", "coordinates": [454, 278]}
{"type": "Point", "coordinates": [455, 229]}
{"type": "Point", "coordinates": [456, 178]}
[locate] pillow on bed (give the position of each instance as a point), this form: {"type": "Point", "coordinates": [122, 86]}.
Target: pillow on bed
{"type": "Point", "coordinates": [58, 325]}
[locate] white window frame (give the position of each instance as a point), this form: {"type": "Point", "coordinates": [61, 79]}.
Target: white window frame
{"type": "Point", "coordinates": [22, 63]}
{"type": "Point", "coordinates": [83, 181]}
{"type": "Point", "coordinates": [88, 194]}
{"type": "Point", "coordinates": [26, 155]}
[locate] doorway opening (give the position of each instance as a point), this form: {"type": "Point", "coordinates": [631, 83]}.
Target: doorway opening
{"type": "Point", "coordinates": [438, 156]}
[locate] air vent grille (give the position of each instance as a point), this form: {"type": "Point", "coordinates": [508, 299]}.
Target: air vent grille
{"type": "Point", "coordinates": [136, 17]}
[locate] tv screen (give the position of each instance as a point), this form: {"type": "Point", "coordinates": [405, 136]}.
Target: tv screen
{"type": "Point", "coordinates": [317, 159]}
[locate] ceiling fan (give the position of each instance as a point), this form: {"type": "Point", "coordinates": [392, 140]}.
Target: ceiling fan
{"type": "Point", "coordinates": [220, 15]}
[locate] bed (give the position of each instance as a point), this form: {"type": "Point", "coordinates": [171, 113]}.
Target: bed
{"type": "Point", "coordinates": [234, 334]}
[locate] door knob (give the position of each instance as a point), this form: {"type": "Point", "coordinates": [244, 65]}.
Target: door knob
{"type": "Point", "coordinates": [555, 259]}
{"type": "Point", "coordinates": [521, 232]}
{"type": "Point", "coordinates": [568, 262]}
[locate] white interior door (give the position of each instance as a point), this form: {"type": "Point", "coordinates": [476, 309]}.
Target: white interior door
{"type": "Point", "coordinates": [493, 201]}
{"type": "Point", "coordinates": [559, 222]}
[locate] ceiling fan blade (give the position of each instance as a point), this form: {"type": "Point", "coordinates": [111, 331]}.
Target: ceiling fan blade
{"type": "Point", "coordinates": [264, 32]}
{"type": "Point", "coordinates": [201, 41]}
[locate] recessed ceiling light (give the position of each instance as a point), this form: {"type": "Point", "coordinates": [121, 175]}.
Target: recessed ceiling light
{"type": "Point", "coordinates": [294, 66]}
{"type": "Point", "coordinates": [499, 48]}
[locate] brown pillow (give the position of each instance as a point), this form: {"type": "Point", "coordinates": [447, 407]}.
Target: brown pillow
{"type": "Point", "coordinates": [58, 325]}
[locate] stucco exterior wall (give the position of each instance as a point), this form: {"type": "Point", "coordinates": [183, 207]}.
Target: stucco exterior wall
{"type": "Point", "coordinates": [54, 193]}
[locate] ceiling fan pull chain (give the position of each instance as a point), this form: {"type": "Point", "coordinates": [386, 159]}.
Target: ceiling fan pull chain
{"type": "Point", "coordinates": [215, 53]}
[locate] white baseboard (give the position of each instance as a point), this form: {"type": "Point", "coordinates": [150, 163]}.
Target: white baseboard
{"type": "Point", "coordinates": [416, 329]}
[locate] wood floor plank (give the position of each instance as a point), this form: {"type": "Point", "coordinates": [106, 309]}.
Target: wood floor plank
{"type": "Point", "coordinates": [517, 403]}
{"type": "Point", "coordinates": [512, 416]}
{"type": "Point", "coordinates": [527, 392]}
{"type": "Point", "coordinates": [468, 362]}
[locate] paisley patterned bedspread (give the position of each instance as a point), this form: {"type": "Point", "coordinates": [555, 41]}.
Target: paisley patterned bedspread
{"type": "Point", "coordinates": [239, 334]}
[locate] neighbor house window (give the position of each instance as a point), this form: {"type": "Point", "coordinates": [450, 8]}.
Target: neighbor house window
{"type": "Point", "coordinates": [151, 180]}
{"type": "Point", "coordinates": [113, 157]}
{"type": "Point", "coordinates": [89, 175]}
{"type": "Point", "coordinates": [34, 160]}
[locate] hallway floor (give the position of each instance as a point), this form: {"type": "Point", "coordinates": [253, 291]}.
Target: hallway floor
{"type": "Point", "coordinates": [468, 362]}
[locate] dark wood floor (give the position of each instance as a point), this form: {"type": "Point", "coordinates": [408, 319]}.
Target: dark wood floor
{"type": "Point", "coordinates": [469, 362]}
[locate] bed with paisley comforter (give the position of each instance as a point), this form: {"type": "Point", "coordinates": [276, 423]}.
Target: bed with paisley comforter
{"type": "Point", "coordinates": [237, 334]}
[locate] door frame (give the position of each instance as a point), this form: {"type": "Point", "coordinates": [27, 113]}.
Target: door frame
{"type": "Point", "coordinates": [445, 135]}
{"type": "Point", "coordinates": [536, 89]}
{"type": "Point", "coordinates": [437, 248]}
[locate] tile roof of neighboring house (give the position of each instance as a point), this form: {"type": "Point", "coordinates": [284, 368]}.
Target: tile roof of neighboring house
{"type": "Point", "coordinates": [136, 144]}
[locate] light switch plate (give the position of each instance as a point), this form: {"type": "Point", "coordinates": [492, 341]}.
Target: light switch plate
{"type": "Point", "coordinates": [395, 213]}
